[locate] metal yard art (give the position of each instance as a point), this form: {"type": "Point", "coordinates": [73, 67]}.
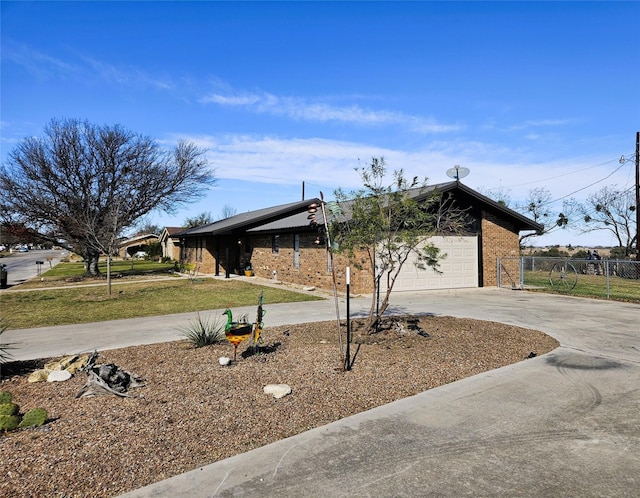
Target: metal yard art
{"type": "Point", "coordinates": [236, 332]}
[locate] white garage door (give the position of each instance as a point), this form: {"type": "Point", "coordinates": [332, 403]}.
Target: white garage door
{"type": "Point", "coordinates": [459, 269]}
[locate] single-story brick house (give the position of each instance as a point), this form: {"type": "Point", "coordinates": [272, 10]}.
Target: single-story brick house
{"type": "Point", "coordinates": [170, 242]}
{"type": "Point", "coordinates": [279, 243]}
{"type": "Point", "coordinates": [134, 244]}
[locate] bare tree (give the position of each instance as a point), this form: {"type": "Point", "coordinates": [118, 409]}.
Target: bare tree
{"type": "Point", "coordinates": [227, 212]}
{"type": "Point", "coordinates": [198, 220]}
{"type": "Point", "coordinates": [612, 210]}
{"type": "Point", "coordinates": [85, 184]}
{"type": "Point", "coordinates": [538, 206]}
{"type": "Point", "coordinates": [147, 227]}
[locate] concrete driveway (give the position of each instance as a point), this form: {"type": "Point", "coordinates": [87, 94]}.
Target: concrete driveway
{"type": "Point", "coordinates": [563, 424]}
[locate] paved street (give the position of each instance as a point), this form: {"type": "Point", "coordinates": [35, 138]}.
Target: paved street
{"type": "Point", "coordinates": [21, 266]}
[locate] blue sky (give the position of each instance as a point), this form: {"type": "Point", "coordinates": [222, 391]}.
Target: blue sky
{"type": "Point", "coordinates": [523, 94]}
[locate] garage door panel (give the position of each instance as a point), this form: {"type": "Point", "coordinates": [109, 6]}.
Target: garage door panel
{"type": "Point", "coordinates": [459, 269]}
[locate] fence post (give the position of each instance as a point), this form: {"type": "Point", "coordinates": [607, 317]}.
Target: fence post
{"type": "Point", "coordinates": [521, 272]}
{"type": "Point", "coordinates": [499, 272]}
{"type": "Point", "coordinates": [607, 269]}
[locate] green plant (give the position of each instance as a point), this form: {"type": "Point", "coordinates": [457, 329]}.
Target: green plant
{"type": "Point", "coordinates": [9, 409]}
{"type": "Point", "coordinates": [5, 356]}
{"type": "Point", "coordinates": [9, 422]}
{"type": "Point", "coordinates": [204, 332]}
{"type": "Point", "coordinates": [33, 418]}
{"type": "Point", "coordinates": [188, 268]}
{"type": "Point", "coordinates": [11, 419]}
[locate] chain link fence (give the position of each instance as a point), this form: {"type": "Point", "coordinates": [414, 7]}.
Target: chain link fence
{"type": "Point", "coordinates": [603, 278]}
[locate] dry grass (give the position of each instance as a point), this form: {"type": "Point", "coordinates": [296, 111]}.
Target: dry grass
{"type": "Point", "coordinates": [193, 412]}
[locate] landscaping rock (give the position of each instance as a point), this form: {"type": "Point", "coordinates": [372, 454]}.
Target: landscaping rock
{"type": "Point", "coordinates": [277, 390]}
{"type": "Point", "coordinates": [59, 376]}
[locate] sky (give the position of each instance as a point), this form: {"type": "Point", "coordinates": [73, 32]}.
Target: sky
{"type": "Point", "coordinates": [290, 98]}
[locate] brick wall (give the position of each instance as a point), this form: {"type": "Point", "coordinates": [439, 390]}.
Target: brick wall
{"type": "Point", "coordinates": [499, 240]}
{"type": "Point", "coordinates": [313, 269]}
{"type": "Point", "coordinates": [202, 252]}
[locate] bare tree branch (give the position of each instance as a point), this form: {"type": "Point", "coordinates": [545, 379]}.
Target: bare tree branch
{"type": "Point", "coordinates": [85, 184]}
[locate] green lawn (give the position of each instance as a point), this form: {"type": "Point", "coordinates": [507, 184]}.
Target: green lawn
{"type": "Point", "coordinates": [620, 289]}
{"type": "Point", "coordinates": [78, 304]}
{"type": "Point", "coordinates": [119, 267]}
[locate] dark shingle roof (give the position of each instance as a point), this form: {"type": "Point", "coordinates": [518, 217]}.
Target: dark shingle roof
{"type": "Point", "coordinates": [294, 215]}
{"type": "Point", "coordinates": [251, 219]}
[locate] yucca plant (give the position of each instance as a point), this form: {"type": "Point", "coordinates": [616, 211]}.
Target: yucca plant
{"type": "Point", "coordinates": [5, 356]}
{"type": "Point", "coordinates": [204, 331]}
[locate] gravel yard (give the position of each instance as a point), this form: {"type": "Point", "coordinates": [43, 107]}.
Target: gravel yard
{"type": "Point", "coordinates": [193, 411]}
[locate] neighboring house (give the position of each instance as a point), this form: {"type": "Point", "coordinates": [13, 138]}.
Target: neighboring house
{"type": "Point", "coordinates": [170, 243]}
{"type": "Point", "coordinates": [279, 243]}
{"type": "Point", "coordinates": [133, 245]}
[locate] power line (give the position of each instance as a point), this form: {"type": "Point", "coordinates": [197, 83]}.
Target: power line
{"type": "Point", "coordinates": [564, 174]}
{"type": "Point", "coordinates": [587, 186]}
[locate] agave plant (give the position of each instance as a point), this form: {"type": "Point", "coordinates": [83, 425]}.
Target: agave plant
{"type": "Point", "coordinates": [5, 356]}
{"type": "Point", "coordinates": [204, 331]}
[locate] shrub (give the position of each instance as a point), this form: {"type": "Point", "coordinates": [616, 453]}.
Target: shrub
{"type": "Point", "coordinates": [204, 332]}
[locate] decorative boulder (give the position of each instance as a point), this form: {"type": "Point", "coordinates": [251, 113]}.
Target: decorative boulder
{"type": "Point", "coordinates": [38, 375]}
{"type": "Point", "coordinates": [59, 376]}
{"type": "Point", "coordinates": [277, 390]}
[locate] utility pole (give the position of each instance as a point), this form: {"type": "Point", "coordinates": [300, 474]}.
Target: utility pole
{"type": "Point", "coordinates": [638, 196]}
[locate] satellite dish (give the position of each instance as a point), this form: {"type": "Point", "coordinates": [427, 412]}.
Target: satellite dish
{"type": "Point", "coordinates": [457, 172]}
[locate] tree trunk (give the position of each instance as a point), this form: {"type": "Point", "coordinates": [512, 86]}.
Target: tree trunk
{"type": "Point", "coordinates": [91, 264]}
{"type": "Point", "coordinates": [109, 273]}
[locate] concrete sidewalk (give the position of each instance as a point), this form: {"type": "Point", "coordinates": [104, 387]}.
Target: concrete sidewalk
{"type": "Point", "coordinates": [563, 424]}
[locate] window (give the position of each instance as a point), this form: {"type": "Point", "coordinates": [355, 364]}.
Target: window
{"type": "Point", "coordinates": [296, 251]}
{"type": "Point", "coordinates": [275, 249]}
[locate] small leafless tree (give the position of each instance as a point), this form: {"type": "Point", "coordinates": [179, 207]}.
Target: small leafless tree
{"type": "Point", "coordinates": [227, 212]}
{"type": "Point", "coordinates": [540, 207]}
{"type": "Point", "coordinates": [612, 210]}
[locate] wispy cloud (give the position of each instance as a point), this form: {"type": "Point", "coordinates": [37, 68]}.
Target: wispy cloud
{"type": "Point", "coordinates": [273, 160]}
{"type": "Point", "coordinates": [44, 66]}
{"type": "Point", "coordinates": [304, 109]}
{"type": "Point", "coordinates": [535, 127]}
{"type": "Point", "coordinates": [39, 64]}
{"type": "Point", "coordinates": [125, 76]}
